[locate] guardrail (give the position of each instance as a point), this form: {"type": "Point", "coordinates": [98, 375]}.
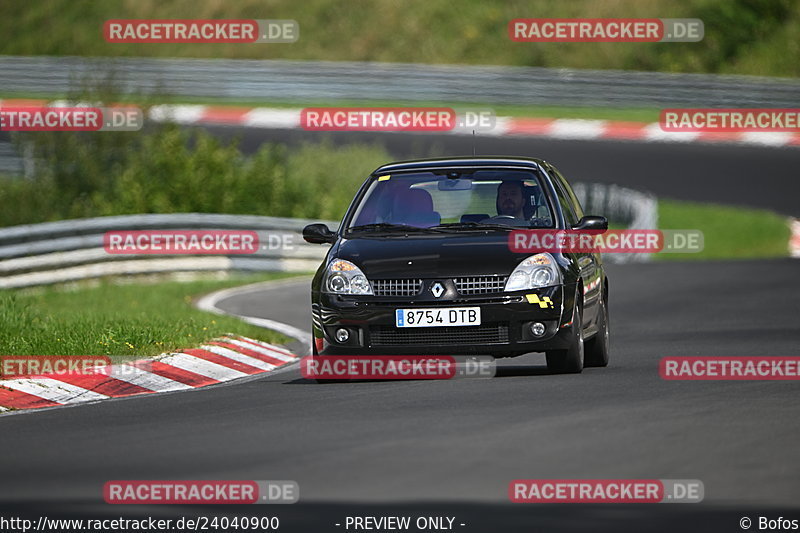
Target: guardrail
{"type": "Point", "coordinates": [321, 81]}
{"type": "Point", "coordinates": [72, 250]}
{"type": "Point", "coordinates": [623, 206]}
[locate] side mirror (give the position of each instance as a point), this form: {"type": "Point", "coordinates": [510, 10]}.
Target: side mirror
{"type": "Point", "coordinates": [592, 223]}
{"type": "Point", "coordinates": [318, 234]}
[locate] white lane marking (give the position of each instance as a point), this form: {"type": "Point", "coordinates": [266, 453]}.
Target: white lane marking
{"type": "Point", "coordinates": [501, 127]}
{"type": "Point", "coordinates": [67, 103]}
{"type": "Point", "coordinates": [266, 117]}
{"type": "Point", "coordinates": [280, 327]}
{"type": "Point", "coordinates": [201, 366]}
{"type": "Point", "coordinates": [53, 390]}
{"type": "Point", "coordinates": [262, 350]}
{"type": "Point", "coordinates": [767, 138]}
{"type": "Point", "coordinates": [266, 345]}
{"type": "Point", "coordinates": [567, 128]}
{"type": "Point", "coordinates": [143, 378]}
{"type": "Point", "coordinates": [182, 114]}
{"type": "Point", "coordinates": [653, 132]}
{"type": "Point", "coordinates": [236, 356]}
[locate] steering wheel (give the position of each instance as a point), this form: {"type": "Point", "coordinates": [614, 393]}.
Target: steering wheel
{"type": "Point", "coordinates": [539, 222]}
{"type": "Point", "coordinates": [506, 220]}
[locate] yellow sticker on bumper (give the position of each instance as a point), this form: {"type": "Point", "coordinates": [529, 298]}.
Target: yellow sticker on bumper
{"type": "Point", "coordinates": [543, 302]}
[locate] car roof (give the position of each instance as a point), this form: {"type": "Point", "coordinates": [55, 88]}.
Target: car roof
{"type": "Point", "coordinates": [469, 162]}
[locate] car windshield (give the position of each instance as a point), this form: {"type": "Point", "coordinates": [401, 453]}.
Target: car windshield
{"type": "Point", "coordinates": [452, 200]}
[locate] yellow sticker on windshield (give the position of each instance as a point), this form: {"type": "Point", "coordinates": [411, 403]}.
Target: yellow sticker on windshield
{"type": "Point", "coordinates": [385, 178]}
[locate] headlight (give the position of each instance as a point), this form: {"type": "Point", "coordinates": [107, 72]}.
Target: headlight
{"type": "Point", "coordinates": [343, 277]}
{"type": "Point", "coordinates": [536, 271]}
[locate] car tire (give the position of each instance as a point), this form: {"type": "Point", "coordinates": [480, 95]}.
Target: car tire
{"type": "Point", "coordinates": [569, 361]}
{"type": "Point", "coordinates": [313, 343]}
{"type": "Point", "coordinates": [597, 348]}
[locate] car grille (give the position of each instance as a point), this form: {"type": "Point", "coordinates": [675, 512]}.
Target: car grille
{"type": "Point", "coordinates": [480, 284]}
{"type": "Point", "coordinates": [452, 335]}
{"type": "Point", "coordinates": [396, 287]}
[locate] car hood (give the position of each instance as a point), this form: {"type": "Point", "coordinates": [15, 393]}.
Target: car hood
{"type": "Point", "coordinates": [429, 256]}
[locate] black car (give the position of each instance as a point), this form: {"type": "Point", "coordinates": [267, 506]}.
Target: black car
{"type": "Point", "coordinates": [421, 265]}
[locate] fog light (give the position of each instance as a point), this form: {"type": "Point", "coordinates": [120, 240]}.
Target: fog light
{"type": "Point", "coordinates": [538, 329]}
{"type": "Point", "coordinates": [342, 335]}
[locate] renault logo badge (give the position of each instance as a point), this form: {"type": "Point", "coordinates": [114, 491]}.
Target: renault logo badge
{"type": "Point", "coordinates": [437, 289]}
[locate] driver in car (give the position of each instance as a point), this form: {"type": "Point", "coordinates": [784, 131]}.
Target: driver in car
{"type": "Point", "coordinates": [511, 199]}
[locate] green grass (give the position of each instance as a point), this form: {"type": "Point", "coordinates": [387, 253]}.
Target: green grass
{"type": "Point", "coordinates": [729, 232]}
{"type": "Point", "coordinates": [759, 37]}
{"type": "Point", "coordinates": [128, 321]}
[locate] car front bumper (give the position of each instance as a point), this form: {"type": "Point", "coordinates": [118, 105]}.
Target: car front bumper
{"type": "Point", "coordinates": [504, 331]}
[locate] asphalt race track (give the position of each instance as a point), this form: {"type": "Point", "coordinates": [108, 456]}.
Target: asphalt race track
{"type": "Point", "coordinates": [729, 174]}
{"type": "Point", "coordinates": [452, 447]}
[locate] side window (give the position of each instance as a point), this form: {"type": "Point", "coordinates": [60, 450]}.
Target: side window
{"type": "Point", "coordinates": [570, 194]}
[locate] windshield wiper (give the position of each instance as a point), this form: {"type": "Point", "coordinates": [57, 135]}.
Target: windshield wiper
{"type": "Point", "coordinates": [476, 226]}
{"type": "Point", "coordinates": [390, 228]}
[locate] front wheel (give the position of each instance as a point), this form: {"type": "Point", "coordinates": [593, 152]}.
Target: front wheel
{"type": "Point", "coordinates": [313, 343]}
{"type": "Point", "coordinates": [569, 361]}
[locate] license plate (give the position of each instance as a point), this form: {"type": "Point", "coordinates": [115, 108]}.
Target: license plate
{"type": "Point", "coordinates": [442, 316]}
